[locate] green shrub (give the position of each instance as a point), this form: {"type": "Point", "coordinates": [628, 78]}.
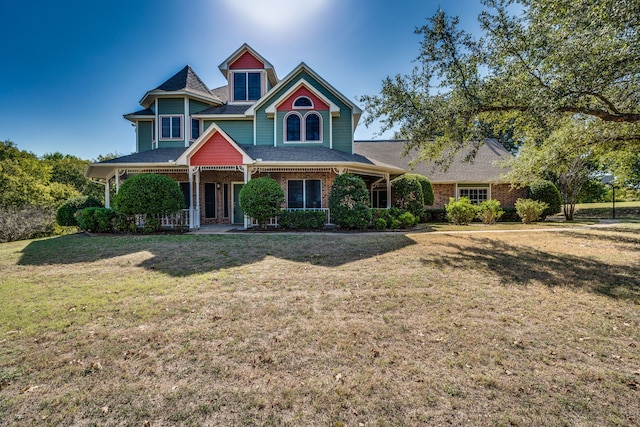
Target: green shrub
{"type": "Point", "coordinates": [409, 194]}
{"type": "Point", "coordinates": [489, 211]}
{"type": "Point", "coordinates": [435, 215]}
{"type": "Point", "coordinates": [395, 224]}
{"type": "Point", "coordinates": [380, 224]}
{"type": "Point", "coordinates": [66, 213]}
{"type": "Point", "coordinates": [149, 194]}
{"type": "Point", "coordinates": [407, 220]}
{"type": "Point", "coordinates": [546, 191]}
{"type": "Point", "coordinates": [427, 190]}
{"type": "Point", "coordinates": [261, 199]}
{"type": "Point", "coordinates": [87, 221]}
{"type": "Point", "coordinates": [349, 202]}
{"type": "Point", "coordinates": [151, 225]}
{"type": "Point", "coordinates": [104, 219]}
{"type": "Point", "coordinates": [461, 211]}
{"type": "Point", "coordinates": [302, 219]}
{"type": "Point", "coordinates": [123, 223]}
{"type": "Point", "coordinates": [530, 210]}
{"type": "Point", "coordinates": [509, 215]}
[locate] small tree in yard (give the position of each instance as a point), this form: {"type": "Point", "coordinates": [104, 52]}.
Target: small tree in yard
{"type": "Point", "coordinates": [149, 194]}
{"type": "Point", "coordinates": [530, 210]}
{"type": "Point", "coordinates": [461, 211]}
{"type": "Point", "coordinates": [261, 199]}
{"type": "Point", "coordinates": [489, 211]}
{"type": "Point", "coordinates": [349, 202]}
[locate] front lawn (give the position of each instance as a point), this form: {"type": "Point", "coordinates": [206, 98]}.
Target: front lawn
{"type": "Point", "coordinates": [527, 328]}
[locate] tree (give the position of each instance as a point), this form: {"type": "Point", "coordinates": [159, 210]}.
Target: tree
{"type": "Point", "coordinates": [563, 158]}
{"type": "Point", "coordinates": [548, 60]}
{"type": "Point", "coordinates": [261, 199]}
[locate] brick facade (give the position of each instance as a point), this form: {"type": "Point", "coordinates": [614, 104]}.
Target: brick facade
{"type": "Point", "coordinates": [506, 195]}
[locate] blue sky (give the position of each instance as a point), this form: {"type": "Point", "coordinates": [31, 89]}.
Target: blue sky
{"type": "Point", "coordinates": [71, 69]}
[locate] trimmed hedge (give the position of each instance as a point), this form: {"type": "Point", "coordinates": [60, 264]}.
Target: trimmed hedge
{"type": "Point", "coordinates": [393, 218]}
{"type": "Point", "coordinates": [149, 194]}
{"type": "Point", "coordinates": [349, 202]}
{"type": "Point", "coordinates": [435, 215]}
{"type": "Point", "coordinates": [409, 193]}
{"type": "Point", "coordinates": [66, 213]}
{"type": "Point", "coordinates": [301, 219]}
{"type": "Point", "coordinates": [97, 220]}
{"type": "Point", "coordinates": [461, 211]}
{"type": "Point", "coordinates": [261, 199]}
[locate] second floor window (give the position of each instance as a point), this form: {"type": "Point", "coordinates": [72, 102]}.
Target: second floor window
{"type": "Point", "coordinates": [171, 127]}
{"type": "Point", "coordinates": [195, 129]}
{"type": "Point", "coordinates": [246, 86]}
{"type": "Point", "coordinates": [299, 129]}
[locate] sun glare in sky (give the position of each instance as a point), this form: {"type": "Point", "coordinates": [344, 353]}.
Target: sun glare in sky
{"type": "Point", "coordinates": [278, 16]}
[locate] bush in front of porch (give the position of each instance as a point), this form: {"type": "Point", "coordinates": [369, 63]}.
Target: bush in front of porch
{"type": "Point", "coordinates": [261, 199]}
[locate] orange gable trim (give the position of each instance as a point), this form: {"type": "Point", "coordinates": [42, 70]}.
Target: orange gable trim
{"type": "Point", "coordinates": [246, 61]}
{"type": "Point", "coordinates": [216, 151]}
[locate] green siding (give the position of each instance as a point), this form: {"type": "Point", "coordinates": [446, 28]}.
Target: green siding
{"type": "Point", "coordinates": [197, 106]}
{"type": "Point", "coordinates": [342, 131]}
{"type": "Point", "coordinates": [144, 136]}
{"type": "Point", "coordinates": [171, 105]}
{"type": "Point", "coordinates": [241, 131]}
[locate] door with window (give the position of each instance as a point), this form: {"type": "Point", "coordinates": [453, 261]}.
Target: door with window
{"type": "Point", "coordinates": [237, 213]}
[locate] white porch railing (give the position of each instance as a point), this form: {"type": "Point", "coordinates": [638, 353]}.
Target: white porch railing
{"type": "Point", "coordinates": [175, 220]}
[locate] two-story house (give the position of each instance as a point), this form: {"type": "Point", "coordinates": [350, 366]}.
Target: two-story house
{"type": "Point", "coordinates": [298, 130]}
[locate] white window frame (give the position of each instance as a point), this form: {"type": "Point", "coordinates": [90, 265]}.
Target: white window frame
{"type": "Point", "coordinates": [191, 138]}
{"type": "Point", "coordinates": [181, 127]}
{"type": "Point", "coordinates": [304, 193]}
{"type": "Point", "coordinates": [303, 128]}
{"type": "Point", "coordinates": [478, 201]}
{"type": "Point", "coordinates": [232, 79]}
{"type": "Point", "coordinates": [302, 108]}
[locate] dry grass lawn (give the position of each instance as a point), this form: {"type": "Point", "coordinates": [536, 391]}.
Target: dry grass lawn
{"type": "Point", "coordinates": [488, 329]}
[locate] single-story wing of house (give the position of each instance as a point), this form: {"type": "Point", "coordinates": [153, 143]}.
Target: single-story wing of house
{"type": "Point", "coordinates": [478, 179]}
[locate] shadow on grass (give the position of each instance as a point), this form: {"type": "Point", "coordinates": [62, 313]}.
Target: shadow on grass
{"type": "Point", "coordinates": [519, 264]}
{"type": "Point", "coordinates": [182, 255]}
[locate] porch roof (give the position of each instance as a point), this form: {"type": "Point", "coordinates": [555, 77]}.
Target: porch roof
{"type": "Point", "coordinates": [260, 156]}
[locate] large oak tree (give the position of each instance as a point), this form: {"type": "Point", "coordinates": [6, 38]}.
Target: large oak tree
{"type": "Point", "coordinates": [536, 64]}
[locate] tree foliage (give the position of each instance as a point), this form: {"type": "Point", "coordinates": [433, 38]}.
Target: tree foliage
{"type": "Point", "coordinates": [261, 199]}
{"type": "Point", "coordinates": [149, 194]}
{"type": "Point", "coordinates": [536, 62]}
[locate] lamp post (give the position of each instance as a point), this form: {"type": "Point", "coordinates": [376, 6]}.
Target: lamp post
{"type": "Point", "coordinates": [610, 180]}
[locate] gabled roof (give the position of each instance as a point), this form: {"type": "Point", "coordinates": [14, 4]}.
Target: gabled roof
{"type": "Point", "coordinates": [485, 168]}
{"type": "Point", "coordinates": [357, 112]}
{"type": "Point", "coordinates": [160, 157]}
{"type": "Point", "coordinates": [185, 82]}
{"type": "Point", "coordinates": [271, 71]}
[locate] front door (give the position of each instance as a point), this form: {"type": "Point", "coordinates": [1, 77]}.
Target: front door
{"type": "Point", "coordinates": [238, 215]}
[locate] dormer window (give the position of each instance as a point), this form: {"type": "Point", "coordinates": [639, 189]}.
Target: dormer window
{"type": "Point", "coordinates": [247, 86]}
{"type": "Point", "coordinates": [303, 102]}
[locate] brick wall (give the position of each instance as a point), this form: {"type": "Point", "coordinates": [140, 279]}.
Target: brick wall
{"type": "Point", "coordinates": [442, 193]}
{"type": "Point", "coordinates": [501, 192]}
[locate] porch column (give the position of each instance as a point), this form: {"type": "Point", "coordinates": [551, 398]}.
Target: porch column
{"type": "Point", "coordinates": [191, 225]}
{"type": "Point", "coordinates": [247, 176]}
{"type": "Point", "coordinates": [117, 180]}
{"type": "Point", "coordinates": [388, 178]}
{"type": "Point", "coordinates": [107, 193]}
{"type": "Point", "coordinates": [197, 218]}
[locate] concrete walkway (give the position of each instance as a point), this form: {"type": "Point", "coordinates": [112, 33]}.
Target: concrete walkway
{"type": "Point", "coordinates": [215, 229]}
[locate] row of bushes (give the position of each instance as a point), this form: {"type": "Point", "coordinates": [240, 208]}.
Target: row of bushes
{"type": "Point", "coordinates": [462, 211]}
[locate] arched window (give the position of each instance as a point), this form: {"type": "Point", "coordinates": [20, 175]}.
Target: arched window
{"type": "Point", "coordinates": [312, 127]}
{"type": "Point", "coordinates": [293, 127]}
{"type": "Point", "coordinates": [302, 102]}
